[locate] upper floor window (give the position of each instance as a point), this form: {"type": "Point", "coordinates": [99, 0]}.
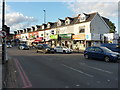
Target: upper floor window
{"type": "Point", "coordinates": [47, 34]}
{"type": "Point", "coordinates": [59, 23]}
{"type": "Point", "coordinates": [67, 22]}
{"type": "Point", "coordinates": [52, 31]}
{"type": "Point", "coordinates": [82, 17]}
{"type": "Point", "coordinates": [82, 30]}
{"type": "Point", "coordinates": [41, 34]}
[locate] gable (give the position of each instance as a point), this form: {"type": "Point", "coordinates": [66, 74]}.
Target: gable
{"type": "Point", "coordinates": [98, 25]}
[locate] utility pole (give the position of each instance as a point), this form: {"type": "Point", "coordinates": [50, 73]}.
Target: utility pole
{"type": "Point", "coordinates": [4, 38]}
{"type": "Point", "coordinates": [44, 22]}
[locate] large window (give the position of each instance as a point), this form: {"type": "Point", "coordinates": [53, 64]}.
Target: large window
{"type": "Point", "coordinates": [82, 30]}
{"type": "Point", "coordinates": [52, 31]}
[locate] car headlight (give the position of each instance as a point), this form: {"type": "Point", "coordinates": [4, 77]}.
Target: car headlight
{"type": "Point", "coordinates": [47, 49]}
{"type": "Point", "coordinates": [114, 55]}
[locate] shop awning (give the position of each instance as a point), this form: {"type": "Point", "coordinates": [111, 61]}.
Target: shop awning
{"type": "Point", "coordinates": [38, 39]}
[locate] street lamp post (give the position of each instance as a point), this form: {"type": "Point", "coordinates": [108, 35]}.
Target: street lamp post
{"type": "Point", "coordinates": [44, 22]}
{"type": "Point", "coordinates": [3, 38]}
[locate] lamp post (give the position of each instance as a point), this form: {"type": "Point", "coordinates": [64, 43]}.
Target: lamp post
{"type": "Point", "coordinates": [3, 38]}
{"type": "Point", "coordinates": [44, 22]}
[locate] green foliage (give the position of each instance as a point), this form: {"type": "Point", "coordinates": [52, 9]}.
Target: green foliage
{"type": "Point", "coordinates": [112, 27]}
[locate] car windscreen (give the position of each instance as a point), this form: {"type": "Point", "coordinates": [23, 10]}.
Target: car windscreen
{"type": "Point", "coordinates": [65, 47]}
{"type": "Point", "coordinates": [24, 45]}
{"type": "Point", "coordinates": [106, 49]}
{"type": "Point", "coordinates": [46, 45]}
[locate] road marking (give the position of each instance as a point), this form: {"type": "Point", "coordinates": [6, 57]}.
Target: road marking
{"type": "Point", "coordinates": [97, 68]}
{"type": "Point", "coordinates": [26, 82]}
{"type": "Point", "coordinates": [78, 71]}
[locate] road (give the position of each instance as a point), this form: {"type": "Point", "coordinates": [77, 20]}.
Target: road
{"type": "Point", "coordinates": [37, 70]}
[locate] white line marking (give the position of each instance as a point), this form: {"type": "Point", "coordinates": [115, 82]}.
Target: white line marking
{"type": "Point", "coordinates": [78, 71]}
{"type": "Point", "coordinates": [97, 69]}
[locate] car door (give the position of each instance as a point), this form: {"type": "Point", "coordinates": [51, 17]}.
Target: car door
{"type": "Point", "coordinates": [40, 48]}
{"type": "Point", "coordinates": [98, 53]}
{"type": "Point", "coordinates": [59, 49]}
{"type": "Point", "coordinates": [91, 52]}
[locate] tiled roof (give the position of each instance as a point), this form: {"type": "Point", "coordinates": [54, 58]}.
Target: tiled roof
{"type": "Point", "coordinates": [90, 17]}
{"type": "Point", "coordinates": [54, 25]}
{"type": "Point", "coordinates": [106, 20]}
{"type": "Point", "coordinates": [74, 20]}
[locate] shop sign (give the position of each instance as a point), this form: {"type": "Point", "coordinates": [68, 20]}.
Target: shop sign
{"type": "Point", "coordinates": [79, 37]}
{"type": "Point", "coordinates": [54, 37]}
{"type": "Point", "coordinates": [65, 36]}
{"type": "Point", "coordinates": [88, 36]}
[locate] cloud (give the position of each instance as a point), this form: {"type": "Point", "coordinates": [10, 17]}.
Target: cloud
{"type": "Point", "coordinates": [107, 9]}
{"type": "Point", "coordinates": [16, 20]}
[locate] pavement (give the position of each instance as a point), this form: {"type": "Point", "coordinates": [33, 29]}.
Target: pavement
{"type": "Point", "coordinates": [78, 51]}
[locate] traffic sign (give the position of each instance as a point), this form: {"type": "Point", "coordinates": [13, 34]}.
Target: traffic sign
{"type": "Point", "coordinates": [2, 34]}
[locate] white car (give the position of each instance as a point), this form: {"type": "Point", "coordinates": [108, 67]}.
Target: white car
{"type": "Point", "coordinates": [60, 49]}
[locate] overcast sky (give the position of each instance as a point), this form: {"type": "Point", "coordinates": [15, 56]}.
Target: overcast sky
{"type": "Point", "coordinates": [20, 15]}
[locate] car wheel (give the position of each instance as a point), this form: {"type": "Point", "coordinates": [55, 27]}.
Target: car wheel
{"type": "Point", "coordinates": [86, 56]}
{"type": "Point", "coordinates": [37, 51]}
{"type": "Point", "coordinates": [64, 51]}
{"type": "Point", "coordinates": [107, 59]}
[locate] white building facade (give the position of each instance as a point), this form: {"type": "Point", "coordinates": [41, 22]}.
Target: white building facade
{"type": "Point", "coordinates": [77, 32]}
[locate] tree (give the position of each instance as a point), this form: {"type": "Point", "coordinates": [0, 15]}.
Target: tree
{"type": "Point", "coordinates": [112, 27]}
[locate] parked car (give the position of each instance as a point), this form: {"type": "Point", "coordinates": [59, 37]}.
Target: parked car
{"type": "Point", "coordinates": [113, 47]}
{"type": "Point", "coordinates": [60, 49]}
{"type": "Point", "coordinates": [23, 47]}
{"type": "Point", "coordinates": [45, 48]}
{"type": "Point", "coordinates": [8, 45]}
{"type": "Point", "coordinates": [102, 53]}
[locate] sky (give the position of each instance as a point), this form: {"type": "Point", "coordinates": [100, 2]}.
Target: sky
{"type": "Point", "coordinates": [20, 15]}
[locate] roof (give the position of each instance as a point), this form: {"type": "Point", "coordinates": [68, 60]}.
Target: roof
{"type": "Point", "coordinates": [74, 20]}
{"type": "Point", "coordinates": [106, 20]}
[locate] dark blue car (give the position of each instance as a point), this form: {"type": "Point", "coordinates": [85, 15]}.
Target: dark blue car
{"type": "Point", "coordinates": [111, 46]}
{"type": "Point", "coordinates": [102, 53]}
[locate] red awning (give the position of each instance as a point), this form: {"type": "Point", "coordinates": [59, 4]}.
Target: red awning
{"type": "Point", "coordinates": [38, 39]}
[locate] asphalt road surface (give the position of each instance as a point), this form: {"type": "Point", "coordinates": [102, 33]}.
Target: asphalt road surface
{"type": "Point", "coordinates": [38, 70]}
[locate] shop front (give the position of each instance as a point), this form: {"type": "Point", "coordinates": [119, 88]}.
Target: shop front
{"type": "Point", "coordinates": [79, 42]}
{"type": "Point", "coordinates": [31, 37]}
{"type": "Point", "coordinates": [54, 40]}
{"type": "Point", "coordinates": [65, 40]}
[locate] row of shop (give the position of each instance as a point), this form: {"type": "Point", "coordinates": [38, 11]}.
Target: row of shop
{"type": "Point", "coordinates": [80, 41]}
